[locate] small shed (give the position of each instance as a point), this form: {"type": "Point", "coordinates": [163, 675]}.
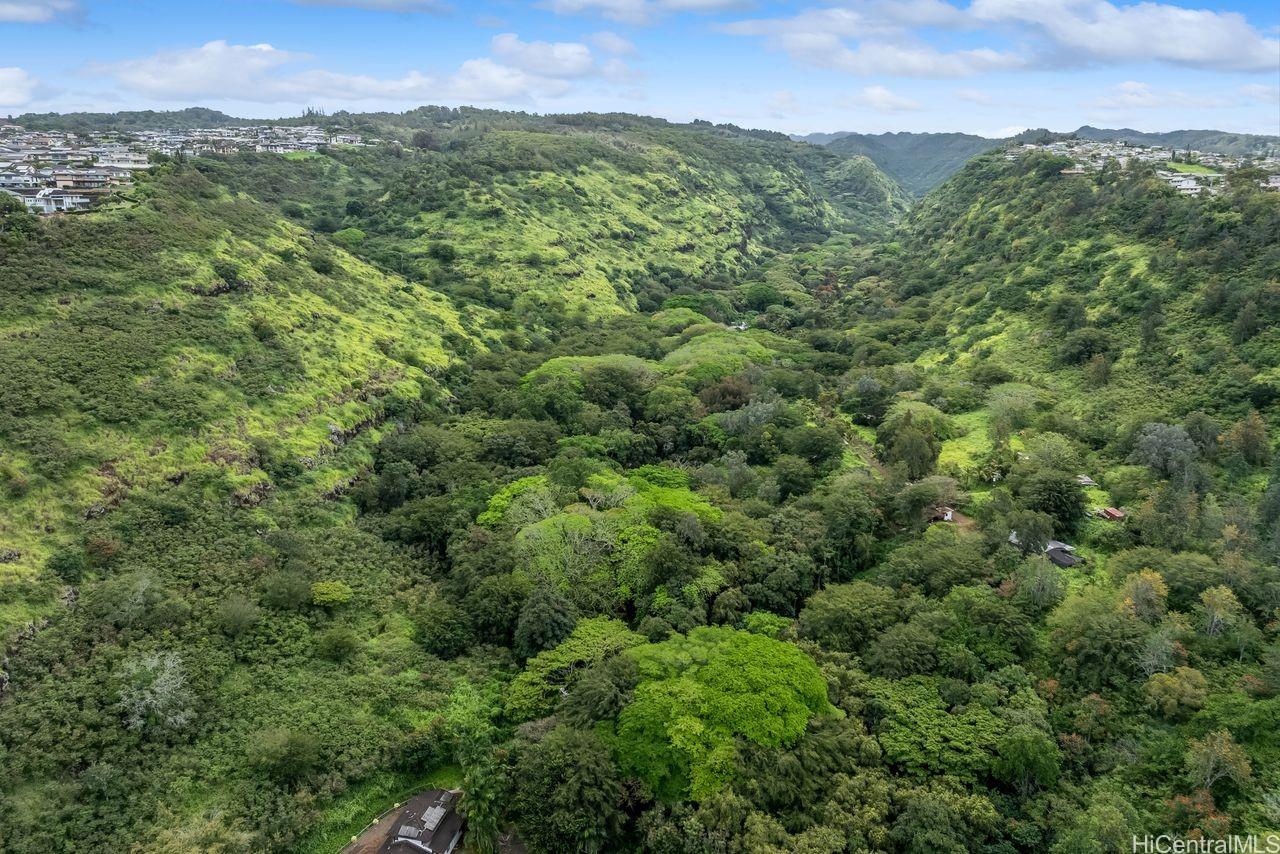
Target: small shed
{"type": "Point", "coordinates": [1063, 558]}
{"type": "Point", "coordinates": [943, 514]}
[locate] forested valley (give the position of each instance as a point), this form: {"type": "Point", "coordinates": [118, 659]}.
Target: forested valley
{"type": "Point", "coordinates": [671, 488]}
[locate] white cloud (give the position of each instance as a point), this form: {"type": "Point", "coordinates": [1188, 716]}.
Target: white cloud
{"type": "Point", "coordinates": [432, 6]}
{"type": "Point", "coordinates": [611, 42]}
{"type": "Point", "coordinates": [548, 59]}
{"type": "Point", "coordinates": [881, 99]}
{"type": "Point", "coordinates": [1100, 30]}
{"type": "Point", "coordinates": [1001, 133]}
{"type": "Point", "coordinates": [783, 104]}
{"type": "Point", "coordinates": [215, 69]}
{"type": "Point", "coordinates": [1135, 95]}
{"type": "Point", "coordinates": [923, 60]}
{"type": "Point", "coordinates": [487, 81]}
{"type": "Point", "coordinates": [817, 37]}
{"type": "Point", "coordinates": [880, 37]}
{"type": "Point", "coordinates": [17, 87]}
{"type": "Point", "coordinates": [640, 11]}
{"type": "Point", "coordinates": [35, 11]}
{"type": "Point", "coordinates": [517, 72]}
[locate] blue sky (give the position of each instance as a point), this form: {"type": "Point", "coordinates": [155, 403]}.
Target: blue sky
{"type": "Point", "coordinates": [980, 66]}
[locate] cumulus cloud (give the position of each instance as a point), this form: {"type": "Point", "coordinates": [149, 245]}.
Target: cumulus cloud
{"type": "Point", "coordinates": [640, 11]}
{"type": "Point", "coordinates": [818, 37]}
{"type": "Point", "coordinates": [548, 59]}
{"type": "Point", "coordinates": [875, 37]}
{"type": "Point", "coordinates": [487, 81]}
{"type": "Point", "coordinates": [1261, 92]}
{"type": "Point", "coordinates": [35, 11]}
{"type": "Point", "coordinates": [17, 87]}
{"type": "Point", "coordinates": [881, 99]}
{"type": "Point", "coordinates": [215, 69]}
{"type": "Point", "coordinates": [1101, 30]}
{"type": "Point", "coordinates": [783, 104]}
{"type": "Point", "coordinates": [516, 72]}
{"type": "Point", "coordinates": [1135, 95]}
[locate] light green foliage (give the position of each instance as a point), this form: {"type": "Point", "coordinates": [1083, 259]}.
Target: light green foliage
{"type": "Point", "coordinates": [535, 691]}
{"type": "Point", "coordinates": [501, 502]}
{"type": "Point", "coordinates": [699, 693]}
{"type": "Point", "coordinates": [598, 556]}
{"type": "Point", "coordinates": [330, 594]}
{"type": "Point", "coordinates": [131, 366]}
{"type": "Point", "coordinates": [922, 736]}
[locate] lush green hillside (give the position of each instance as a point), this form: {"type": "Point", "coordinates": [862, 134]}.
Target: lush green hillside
{"type": "Point", "coordinates": [182, 331]}
{"type": "Point", "coordinates": [922, 161]}
{"type": "Point", "coordinates": [589, 215]}
{"type": "Point", "coordinates": [917, 161]}
{"type": "Point", "coordinates": [191, 117]}
{"type": "Point", "coordinates": [590, 464]}
{"type": "Point", "coordinates": [208, 640]}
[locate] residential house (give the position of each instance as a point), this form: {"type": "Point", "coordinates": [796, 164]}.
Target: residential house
{"type": "Point", "coordinates": [429, 823]}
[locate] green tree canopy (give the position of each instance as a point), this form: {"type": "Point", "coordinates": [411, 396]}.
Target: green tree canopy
{"type": "Point", "coordinates": [701, 692]}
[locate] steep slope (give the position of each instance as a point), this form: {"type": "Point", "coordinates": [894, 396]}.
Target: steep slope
{"type": "Point", "coordinates": [185, 330]}
{"type": "Point", "coordinates": [638, 579]}
{"type": "Point", "coordinates": [917, 161]}
{"type": "Point", "coordinates": [589, 214]}
{"type": "Point", "coordinates": [1041, 272]}
{"type": "Point", "coordinates": [922, 161]}
{"type": "Point", "coordinates": [208, 636]}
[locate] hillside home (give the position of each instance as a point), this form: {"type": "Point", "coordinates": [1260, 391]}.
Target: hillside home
{"type": "Point", "coordinates": [80, 179]}
{"type": "Point", "coordinates": [429, 823]}
{"type": "Point", "coordinates": [51, 201]}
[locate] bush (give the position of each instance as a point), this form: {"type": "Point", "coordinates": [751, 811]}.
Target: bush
{"type": "Point", "coordinates": [330, 594]}
{"type": "Point", "coordinates": [337, 644]}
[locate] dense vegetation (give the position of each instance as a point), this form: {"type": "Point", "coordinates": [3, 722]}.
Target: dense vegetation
{"type": "Point", "coordinates": [127, 121]}
{"type": "Point", "coordinates": [922, 161]}
{"type": "Point", "coordinates": [328, 492]}
{"type": "Point", "coordinates": [917, 161]}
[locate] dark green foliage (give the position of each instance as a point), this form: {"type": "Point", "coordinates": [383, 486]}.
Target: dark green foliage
{"type": "Point", "coordinates": [1055, 494]}
{"type": "Point", "coordinates": [284, 754]}
{"type": "Point", "coordinates": [546, 619]}
{"type": "Point", "coordinates": [566, 794]}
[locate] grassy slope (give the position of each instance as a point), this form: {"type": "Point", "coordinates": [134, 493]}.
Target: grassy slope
{"type": "Point", "coordinates": [1002, 272]}
{"type": "Point", "coordinates": [587, 215]}
{"type": "Point", "coordinates": [188, 379]}
{"type": "Point", "coordinates": [125, 367]}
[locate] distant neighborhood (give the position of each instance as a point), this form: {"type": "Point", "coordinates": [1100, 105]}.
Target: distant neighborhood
{"type": "Point", "coordinates": [62, 172]}
{"type": "Point", "coordinates": [1190, 173]}
{"type": "Point", "coordinates": [52, 172]}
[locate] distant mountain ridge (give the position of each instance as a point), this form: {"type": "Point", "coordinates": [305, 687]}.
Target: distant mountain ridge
{"type": "Point", "coordinates": [922, 161]}
{"type": "Point", "coordinates": [1220, 142]}
{"type": "Point", "coordinates": [917, 161]}
{"type": "Point", "coordinates": [185, 119]}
